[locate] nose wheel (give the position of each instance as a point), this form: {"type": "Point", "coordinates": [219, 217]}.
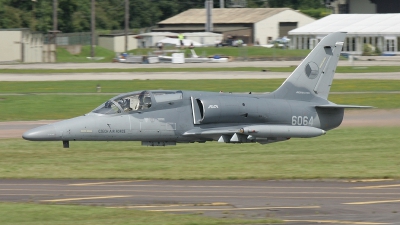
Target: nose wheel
{"type": "Point", "coordinates": [65, 144]}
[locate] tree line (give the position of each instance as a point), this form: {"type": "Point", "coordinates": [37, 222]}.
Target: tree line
{"type": "Point", "coordinates": [74, 15]}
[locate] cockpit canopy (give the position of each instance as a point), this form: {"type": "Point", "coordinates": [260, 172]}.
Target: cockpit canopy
{"type": "Point", "coordinates": [137, 101]}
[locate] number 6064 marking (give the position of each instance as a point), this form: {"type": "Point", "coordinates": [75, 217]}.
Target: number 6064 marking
{"type": "Point", "coordinates": [302, 121]}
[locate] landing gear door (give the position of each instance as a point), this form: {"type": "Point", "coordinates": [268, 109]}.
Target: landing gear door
{"type": "Point", "coordinates": [197, 110]}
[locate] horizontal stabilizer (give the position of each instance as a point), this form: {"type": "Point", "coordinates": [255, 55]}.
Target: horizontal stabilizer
{"type": "Point", "coordinates": [332, 106]}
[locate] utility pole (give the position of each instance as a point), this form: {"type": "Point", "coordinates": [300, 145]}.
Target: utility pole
{"type": "Point", "coordinates": [126, 24]}
{"type": "Point", "coordinates": [93, 27]}
{"type": "Point", "coordinates": [209, 6]}
{"type": "Point", "coordinates": [54, 33]}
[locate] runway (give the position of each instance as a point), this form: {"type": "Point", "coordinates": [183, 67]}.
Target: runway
{"type": "Point", "coordinates": [296, 202]}
{"type": "Point", "coordinates": [182, 75]}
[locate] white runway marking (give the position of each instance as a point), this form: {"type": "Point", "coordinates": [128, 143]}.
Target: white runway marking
{"type": "Point", "coordinates": [336, 222]}
{"type": "Point", "coordinates": [89, 198]}
{"type": "Point", "coordinates": [235, 209]}
{"type": "Point", "coordinates": [100, 183]}
{"type": "Point", "coordinates": [372, 202]}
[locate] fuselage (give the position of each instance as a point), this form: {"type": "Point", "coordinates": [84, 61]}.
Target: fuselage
{"type": "Point", "coordinates": [166, 116]}
{"type": "Point", "coordinates": [297, 109]}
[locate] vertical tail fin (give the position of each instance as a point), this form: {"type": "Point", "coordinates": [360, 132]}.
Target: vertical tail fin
{"type": "Point", "coordinates": [313, 77]}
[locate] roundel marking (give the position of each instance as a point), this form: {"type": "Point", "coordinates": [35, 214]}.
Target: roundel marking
{"type": "Point", "coordinates": [312, 70]}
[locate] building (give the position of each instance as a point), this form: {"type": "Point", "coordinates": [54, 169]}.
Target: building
{"type": "Point", "coordinates": [379, 30]}
{"type": "Point", "coordinates": [152, 38]}
{"type": "Point", "coordinates": [116, 42]}
{"type": "Point", "coordinates": [205, 38]}
{"type": "Point", "coordinates": [146, 40]}
{"type": "Point", "coordinates": [21, 45]}
{"type": "Point", "coordinates": [252, 25]}
{"type": "Point", "coordinates": [364, 6]}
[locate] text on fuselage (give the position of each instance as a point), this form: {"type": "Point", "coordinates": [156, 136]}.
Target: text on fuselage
{"type": "Point", "coordinates": [111, 131]}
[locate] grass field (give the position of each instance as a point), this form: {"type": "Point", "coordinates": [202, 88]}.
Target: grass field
{"type": "Point", "coordinates": [54, 106]}
{"type": "Point", "coordinates": [250, 52]}
{"type": "Point", "coordinates": [35, 214]}
{"type": "Point", "coordinates": [362, 153]}
{"type": "Point", "coordinates": [64, 56]}
{"type": "Point", "coordinates": [234, 85]}
{"type": "Point", "coordinates": [37, 107]}
{"type": "Point", "coordinates": [340, 69]}
{"type": "Point", "coordinates": [66, 99]}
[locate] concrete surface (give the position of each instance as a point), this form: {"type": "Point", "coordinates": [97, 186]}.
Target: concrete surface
{"type": "Point", "coordinates": [296, 202]}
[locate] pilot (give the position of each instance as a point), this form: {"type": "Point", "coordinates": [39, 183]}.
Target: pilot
{"type": "Point", "coordinates": [107, 104]}
{"type": "Point", "coordinates": [124, 103]}
{"type": "Point", "coordinates": [147, 101]}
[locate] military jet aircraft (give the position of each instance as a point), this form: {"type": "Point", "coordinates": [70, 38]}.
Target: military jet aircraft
{"type": "Point", "coordinates": [297, 109]}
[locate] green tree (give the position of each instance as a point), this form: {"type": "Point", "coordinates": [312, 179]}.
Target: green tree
{"type": "Point", "coordinates": [10, 17]}
{"type": "Point", "coordinates": [44, 15]}
{"type": "Point", "coordinates": [74, 15]}
{"type": "Point", "coordinates": [167, 9]}
{"type": "Point", "coordinates": [65, 11]}
{"type": "Point", "coordinates": [143, 13]}
{"type": "Point", "coordinates": [81, 17]}
{"type": "Point", "coordinates": [296, 4]}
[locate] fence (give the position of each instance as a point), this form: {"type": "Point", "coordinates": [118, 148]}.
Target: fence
{"type": "Point", "coordinates": [62, 39]}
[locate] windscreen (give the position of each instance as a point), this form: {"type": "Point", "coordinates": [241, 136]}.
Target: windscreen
{"type": "Point", "coordinates": [167, 96]}
{"type": "Point", "coordinates": [128, 103]}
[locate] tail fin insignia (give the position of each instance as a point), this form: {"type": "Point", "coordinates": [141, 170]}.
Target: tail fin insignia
{"type": "Point", "coordinates": [315, 74]}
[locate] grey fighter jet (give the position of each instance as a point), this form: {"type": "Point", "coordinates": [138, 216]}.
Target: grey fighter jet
{"type": "Point", "coordinates": [297, 109]}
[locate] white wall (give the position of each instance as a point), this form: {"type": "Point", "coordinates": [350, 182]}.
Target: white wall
{"type": "Point", "coordinates": [107, 42]}
{"type": "Point", "coordinates": [152, 40]}
{"type": "Point", "coordinates": [10, 45]}
{"type": "Point", "coordinates": [33, 47]}
{"type": "Point", "coordinates": [117, 43]}
{"type": "Point", "coordinates": [362, 6]}
{"type": "Point", "coordinates": [21, 45]}
{"type": "Point", "coordinates": [204, 38]}
{"type": "Point", "coordinates": [269, 27]}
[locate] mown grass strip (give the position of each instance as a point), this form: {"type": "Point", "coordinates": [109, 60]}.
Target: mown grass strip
{"type": "Point", "coordinates": [340, 154]}
{"type": "Point", "coordinates": [382, 101]}
{"type": "Point", "coordinates": [233, 85]}
{"type": "Point", "coordinates": [105, 55]}
{"type": "Point", "coordinates": [35, 214]}
{"type": "Point", "coordinates": [56, 106]}
{"type": "Point", "coordinates": [39, 107]}
{"type": "Point", "coordinates": [36, 107]}
{"type": "Point", "coordinates": [340, 69]}
{"type": "Point", "coordinates": [249, 51]}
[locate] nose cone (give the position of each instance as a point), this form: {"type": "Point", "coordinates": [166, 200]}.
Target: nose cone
{"type": "Point", "coordinates": [42, 133]}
